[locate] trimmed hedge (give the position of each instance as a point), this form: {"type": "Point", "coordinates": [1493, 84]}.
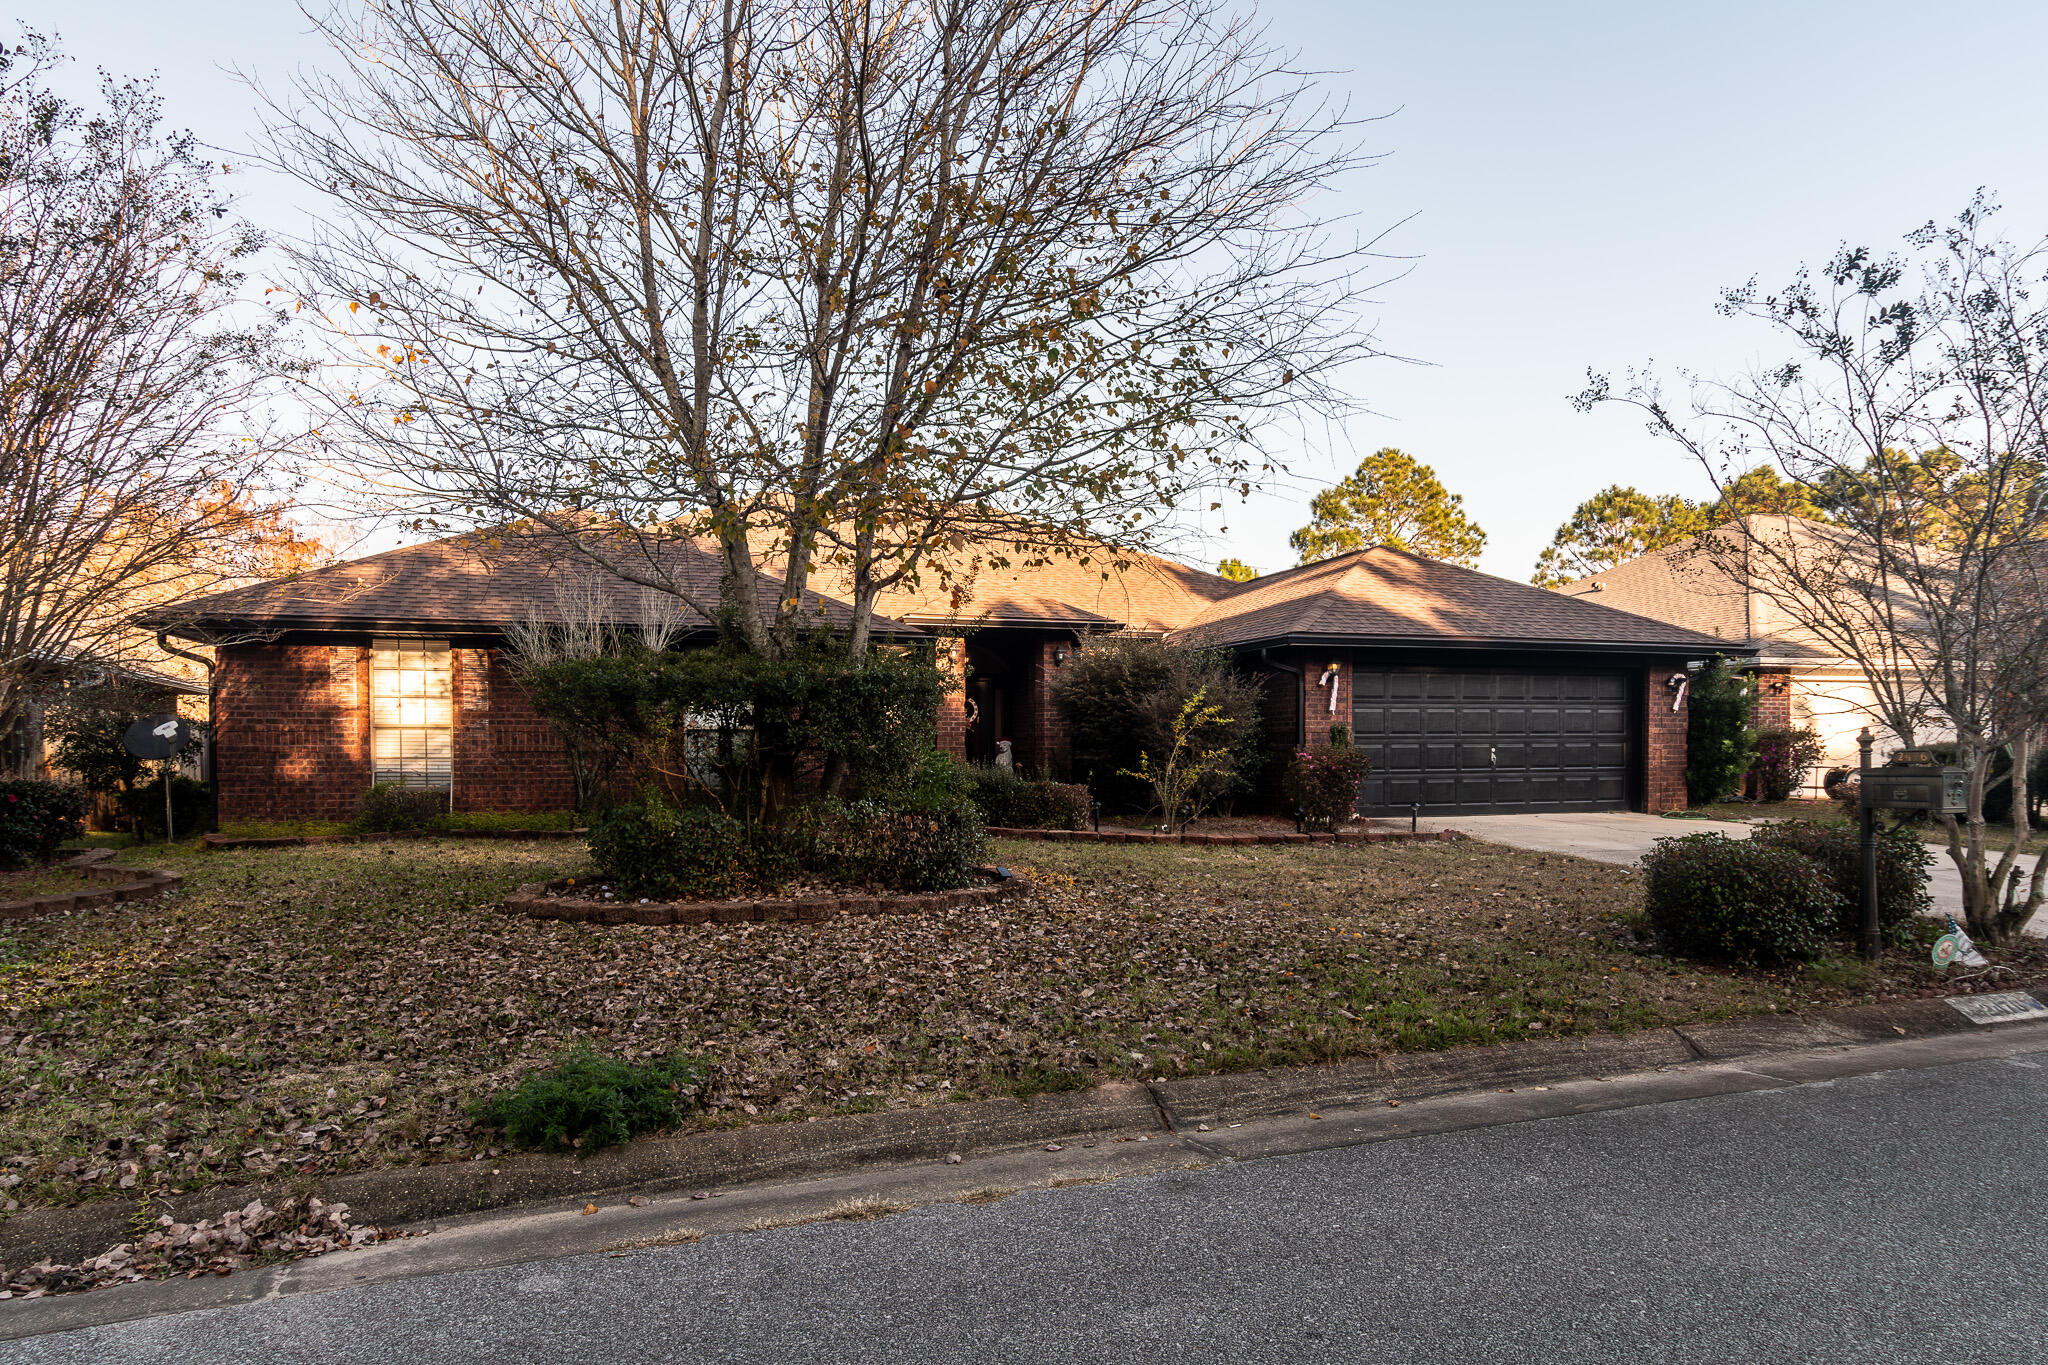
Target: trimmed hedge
{"type": "Point", "coordinates": [1017, 802]}
{"type": "Point", "coordinates": [1903, 864]}
{"type": "Point", "coordinates": [36, 817]}
{"type": "Point", "coordinates": [652, 849]}
{"type": "Point", "coordinates": [1710, 896]}
{"type": "Point", "coordinates": [389, 807]}
{"type": "Point", "coordinates": [933, 848]}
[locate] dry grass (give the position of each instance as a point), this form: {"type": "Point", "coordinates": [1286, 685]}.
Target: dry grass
{"type": "Point", "coordinates": [987, 1194]}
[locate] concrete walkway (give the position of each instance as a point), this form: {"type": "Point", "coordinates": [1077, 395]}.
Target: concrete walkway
{"type": "Point", "coordinates": [1623, 837]}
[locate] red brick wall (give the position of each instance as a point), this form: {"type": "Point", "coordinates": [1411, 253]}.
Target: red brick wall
{"type": "Point", "coordinates": [1773, 698]}
{"type": "Point", "coordinates": [506, 756]}
{"type": "Point", "coordinates": [1664, 786]}
{"type": "Point", "coordinates": [293, 731]}
{"type": "Point", "coordinates": [952, 718]}
{"type": "Point", "coordinates": [294, 735]}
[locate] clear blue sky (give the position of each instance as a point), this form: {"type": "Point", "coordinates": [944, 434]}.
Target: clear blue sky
{"type": "Point", "coordinates": [1582, 179]}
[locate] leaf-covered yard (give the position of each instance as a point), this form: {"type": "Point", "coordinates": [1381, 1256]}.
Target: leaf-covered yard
{"type": "Point", "coordinates": [317, 1009]}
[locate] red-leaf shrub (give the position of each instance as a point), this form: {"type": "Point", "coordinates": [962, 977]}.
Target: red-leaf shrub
{"type": "Point", "coordinates": [1323, 784]}
{"type": "Point", "coordinates": [35, 817]}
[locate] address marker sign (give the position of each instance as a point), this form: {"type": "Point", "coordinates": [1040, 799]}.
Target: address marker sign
{"type": "Point", "coordinates": [2005, 1007]}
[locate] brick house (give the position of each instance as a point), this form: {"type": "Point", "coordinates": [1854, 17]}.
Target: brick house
{"type": "Point", "coordinates": [1708, 584]}
{"type": "Point", "coordinates": [1474, 693]}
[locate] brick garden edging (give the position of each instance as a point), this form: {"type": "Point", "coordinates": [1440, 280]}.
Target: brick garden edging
{"type": "Point", "coordinates": [212, 842]}
{"type": "Point", "coordinates": [1134, 836]}
{"type": "Point", "coordinates": [125, 884]}
{"type": "Point", "coordinates": [543, 900]}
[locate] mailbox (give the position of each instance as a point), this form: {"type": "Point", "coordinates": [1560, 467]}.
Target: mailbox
{"type": "Point", "coordinates": [1940, 790]}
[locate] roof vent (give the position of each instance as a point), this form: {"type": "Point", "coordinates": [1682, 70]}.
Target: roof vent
{"type": "Point", "coordinates": [1598, 586]}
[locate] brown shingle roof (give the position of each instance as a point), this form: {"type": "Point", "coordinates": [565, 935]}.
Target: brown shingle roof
{"type": "Point", "coordinates": [999, 584]}
{"type": "Point", "coordinates": [468, 582]}
{"type": "Point", "coordinates": [1390, 595]}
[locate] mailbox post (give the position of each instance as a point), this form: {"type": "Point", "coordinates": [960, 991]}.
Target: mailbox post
{"type": "Point", "coordinates": [1914, 780]}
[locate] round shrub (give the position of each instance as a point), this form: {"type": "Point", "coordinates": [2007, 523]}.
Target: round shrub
{"type": "Point", "coordinates": [587, 1101]}
{"type": "Point", "coordinates": [1903, 864]}
{"type": "Point", "coordinates": [37, 816]}
{"type": "Point", "coordinates": [1323, 784]}
{"type": "Point", "coordinates": [1709, 896]}
{"type": "Point", "coordinates": [1784, 755]}
{"type": "Point", "coordinates": [650, 848]}
{"type": "Point", "coordinates": [905, 848]}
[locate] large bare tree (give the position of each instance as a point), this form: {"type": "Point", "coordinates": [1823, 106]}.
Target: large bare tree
{"type": "Point", "coordinates": [825, 281]}
{"type": "Point", "coordinates": [127, 366]}
{"type": "Point", "coordinates": [1914, 408]}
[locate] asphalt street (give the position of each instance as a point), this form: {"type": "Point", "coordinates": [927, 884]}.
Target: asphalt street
{"type": "Point", "coordinates": [1891, 1217]}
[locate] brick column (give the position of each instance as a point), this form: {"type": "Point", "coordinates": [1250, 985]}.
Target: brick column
{"type": "Point", "coordinates": [1773, 698]}
{"type": "Point", "coordinates": [1320, 716]}
{"type": "Point", "coordinates": [1664, 741]}
{"type": "Point", "coordinates": [1044, 750]}
{"type": "Point", "coordinates": [951, 722]}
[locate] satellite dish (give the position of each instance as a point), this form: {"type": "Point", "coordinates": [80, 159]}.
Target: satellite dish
{"type": "Point", "coordinates": [157, 737]}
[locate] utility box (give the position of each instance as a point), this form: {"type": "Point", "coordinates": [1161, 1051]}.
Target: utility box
{"type": "Point", "coordinates": [1939, 790]}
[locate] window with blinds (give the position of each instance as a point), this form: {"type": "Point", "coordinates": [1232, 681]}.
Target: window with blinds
{"type": "Point", "coordinates": [411, 712]}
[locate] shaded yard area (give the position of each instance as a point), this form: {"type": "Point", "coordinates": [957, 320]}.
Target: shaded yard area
{"type": "Point", "coordinates": [318, 1009]}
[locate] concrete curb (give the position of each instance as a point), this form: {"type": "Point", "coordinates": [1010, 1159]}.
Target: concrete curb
{"type": "Point", "coordinates": [1105, 1134]}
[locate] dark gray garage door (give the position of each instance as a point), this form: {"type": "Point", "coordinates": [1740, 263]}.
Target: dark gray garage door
{"type": "Point", "coordinates": [1476, 740]}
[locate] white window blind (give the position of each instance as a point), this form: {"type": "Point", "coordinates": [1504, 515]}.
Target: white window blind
{"type": "Point", "coordinates": [411, 712]}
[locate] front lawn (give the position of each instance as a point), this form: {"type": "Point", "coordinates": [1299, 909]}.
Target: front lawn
{"type": "Point", "coordinates": [320, 1008]}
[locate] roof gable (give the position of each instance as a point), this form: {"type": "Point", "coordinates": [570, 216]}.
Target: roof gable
{"type": "Point", "coordinates": [1388, 595]}
{"type": "Point", "coordinates": [475, 582]}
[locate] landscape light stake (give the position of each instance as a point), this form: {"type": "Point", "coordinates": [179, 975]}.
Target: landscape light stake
{"type": "Point", "coordinates": [1414, 816]}
{"type": "Point", "coordinates": [1872, 933]}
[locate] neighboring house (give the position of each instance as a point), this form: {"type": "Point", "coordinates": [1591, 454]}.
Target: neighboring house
{"type": "Point", "coordinates": [144, 691]}
{"type": "Point", "coordinates": [1707, 586]}
{"type": "Point", "coordinates": [1473, 693]}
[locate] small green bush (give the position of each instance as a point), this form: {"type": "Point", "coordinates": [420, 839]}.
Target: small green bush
{"type": "Point", "coordinates": [37, 816]}
{"type": "Point", "coordinates": [1784, 755]}
{"type": "Point", "coordinates": [389, 807]}
{"type": "Point", "coordinates": [1016, 802]}
{"type": "Point", "coordinates": [1323, 784]}
{"type": "Point", "coordinates": [903, 848]}
{"type": "Point", "coordinates": [650, 848]}
{"type": "Point", "coordinates": [1903, 863]}
{"type": "Point", "coordinates": [1709, 896]}
{"type": "Point", "coordinates": [586, 1101]}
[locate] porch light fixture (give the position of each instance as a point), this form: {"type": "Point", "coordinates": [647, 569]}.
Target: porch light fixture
{"type": "Point", "coordinates": [1059, 656]}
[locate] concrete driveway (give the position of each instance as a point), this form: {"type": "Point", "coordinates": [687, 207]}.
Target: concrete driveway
{"type": "Point", "coordinates": [1624, 837]}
